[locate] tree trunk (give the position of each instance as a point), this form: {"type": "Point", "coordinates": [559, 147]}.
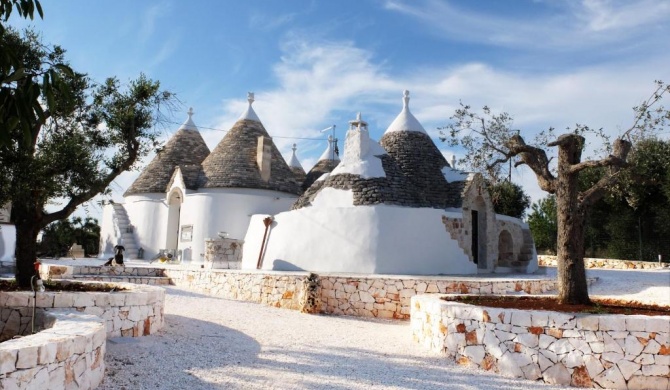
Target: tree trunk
{"type": "Point", "coordinates": [27, 229]}
{"type": "Point", "coordinates": [572, 287]}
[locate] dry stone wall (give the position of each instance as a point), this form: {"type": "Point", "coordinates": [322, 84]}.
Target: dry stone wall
{"type": "Point", "coordinates": [135, 311]}
{"type": "Point", "coordinates": [223, 253]}
{"type": "Point", "coordinates": [390, 297]}
{"type": "Point", "coordinates": [68, 354]}
{"type": "Point", "coordinates": [582, 350]}
{"type": "Point", "coordinates": [280, 289]}
{"type": "Point", "coordinates": [550, 261]}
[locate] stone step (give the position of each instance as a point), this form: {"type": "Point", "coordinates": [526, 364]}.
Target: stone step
{"type": "Point", "coordinates": [150, 280]}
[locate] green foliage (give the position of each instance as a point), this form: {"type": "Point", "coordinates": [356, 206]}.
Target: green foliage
{"type": "Point", "coordinates": [543, 224]}
{"type": "Point", "coordinates": [509, 199]}
{"type": "Point", "coordinates": [88, 135]}
{"type": "Point", "coordinates": [31, 81]}
{"type": "Point", "coordinates": [58, 237]}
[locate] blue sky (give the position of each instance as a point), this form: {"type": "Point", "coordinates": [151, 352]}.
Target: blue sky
{"type": "Point", "coordinates": [313, 64]}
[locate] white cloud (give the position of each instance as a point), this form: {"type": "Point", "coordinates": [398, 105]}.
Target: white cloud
{"type": "Point", "coordinates": [572, 25]}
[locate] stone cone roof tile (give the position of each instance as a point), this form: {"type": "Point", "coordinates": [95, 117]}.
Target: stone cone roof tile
{"type": "Point", "coordinates": [322, 167]}
{"type": "Point", "coordinates": [394, 189]}
{"type": "Point", "coordinates": [421, 162]}
{"type": "Point", "coordinates": [232, 164]}
{"type": "Point", "coordinates": [185, 149]}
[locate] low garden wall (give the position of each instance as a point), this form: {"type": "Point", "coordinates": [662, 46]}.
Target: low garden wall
{"type": "Point", "coordinates": [68, 354]}
{"type": "Point", "coordinates": [550, 261]}
{"type": "Point", "coordinates": [137, 310]}
{"type": "Point", "coordinates": [372, 296]}
{"type": "Point", "coordinates": [583, 350]}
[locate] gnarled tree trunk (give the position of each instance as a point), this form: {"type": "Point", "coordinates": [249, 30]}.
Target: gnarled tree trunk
{"type": "Point", "coordinates": [27, 228]}
{"type": "Point", "coordinates": [572, 287]}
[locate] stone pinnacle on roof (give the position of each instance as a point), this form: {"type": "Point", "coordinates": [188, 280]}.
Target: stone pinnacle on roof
{"type": "Point", "coordinates": [185, 149]}
{"type": "Point", "coordinates": [405, 121]}
{"type": "Point", "coordinates": [189, 124]}
{"type": "Point", "coordinates": [250, 114]}
{"type": "Point", "coordinates": [293, 162]}
{"type": "Point", "coordinates": [331, 152]}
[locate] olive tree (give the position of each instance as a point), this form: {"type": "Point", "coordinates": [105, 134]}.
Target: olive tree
{"type": "Point", "coordinates": [87, 136]}
{"type": "Point", "coordinates": [491, 143]}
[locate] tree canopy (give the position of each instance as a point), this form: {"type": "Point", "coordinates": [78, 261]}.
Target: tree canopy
{"type": "Point", "coordinates": [88, 135]}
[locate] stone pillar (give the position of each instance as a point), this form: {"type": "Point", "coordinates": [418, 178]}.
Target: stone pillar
{"type": "Point", "coordinates": [223, 253]}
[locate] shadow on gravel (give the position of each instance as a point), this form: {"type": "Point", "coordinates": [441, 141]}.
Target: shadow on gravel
{"type": "Point", "coordinates": [167, 360]}
{"type": "Point", "coordinates": [349, 365]}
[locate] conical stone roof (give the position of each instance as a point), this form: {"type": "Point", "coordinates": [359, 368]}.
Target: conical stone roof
{"type": "Point", "coordinates": [296, 167]}
{"type": "Point", "coordinates": [368, 172]}
{"type": "Point", "coordinates": [233, 163]}
{"type": "Point", "coordinates": [327, 162]}
{"type": "Point", "coordinates": [419, 159]}
{"type": "Point", "coordinates": [185, 149]}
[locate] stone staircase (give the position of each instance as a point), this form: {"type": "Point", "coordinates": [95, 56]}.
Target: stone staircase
{"type": "Point", "coordinates": [126, 230]}
{"type": "Point", "coordinates": [525, 254]}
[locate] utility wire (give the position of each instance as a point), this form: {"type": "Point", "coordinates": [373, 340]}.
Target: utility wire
{"type": "Point", "coordinates": [275, 136]}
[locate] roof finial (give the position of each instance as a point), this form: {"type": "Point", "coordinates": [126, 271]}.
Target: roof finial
{"type": "Point", "coordinates": [405, 98]}
{"type": "Point", "coordinates": [190, 112]}
{"type": "Point", "coordinates": [250, 97]}
{"type": "Point", "coordinates": [294, 148]}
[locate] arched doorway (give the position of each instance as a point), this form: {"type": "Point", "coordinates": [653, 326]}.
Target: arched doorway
{"type": "Point", "coordinates": [505, 248]}
{"type": "Point", "coordinates": [479, 239]}
{"type": "Point", "coordinates": [175, 199]}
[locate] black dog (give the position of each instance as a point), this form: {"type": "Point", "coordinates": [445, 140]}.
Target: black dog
{"type": "Point", "coordinates": [118, 256]}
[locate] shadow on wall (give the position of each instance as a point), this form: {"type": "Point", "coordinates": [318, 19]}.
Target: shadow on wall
{"type": "Point", "coordinates": [282, 265]}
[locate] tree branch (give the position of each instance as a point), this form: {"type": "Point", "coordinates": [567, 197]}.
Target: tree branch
{"type": "Point", "coordinates": [536, 159]}
{"type": "Point", "coordinates": [598, 190]}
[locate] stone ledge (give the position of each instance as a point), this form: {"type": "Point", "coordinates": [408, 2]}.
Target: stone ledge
{"type": "Point", "coordinates": [582, 350]}
{"type": "Point", "coordinates": [550, 261]}
{"type": "Point", "coordinates": [133, 312]}
{"type": "Point", "coordinates": [68, 354]}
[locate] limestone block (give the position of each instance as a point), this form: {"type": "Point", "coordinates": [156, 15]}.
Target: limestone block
{"type": "Point", "coordinates": [646, 383]}
{"type": "Point", "coordinates": [628, 368]}
{"type": "Point", "coordinates": [593, 365]}
{"type": "Point", "coordinates": [544, 362]}
{"type": "Point", "coordinates": [659, 324]}
{"type": "Point", "coordinates": [644, 358]}
{"type": "Point", "coordinates": [540, 319]}
{"type": "Point", "coordinates": [27, 357]}
{"type": "Point", "coordinates": [557, 375]}
{"type": "Point", "coordinates": [531, 371]}
{"type": "Point", "coordinates": [573, 359]}
{"type": "Point", "coordinates": [636, 323]}
{"type": "Point", "coordinates": [476, 353]}
{"type": "Point", "coordinates": [521, 318]}
{"type": "Point", "coordinates": [613, 357]}
{"type": "Point", "coordinates": [611, 379]}
{"type": "Point", "coordinates": [655, 370]}
{"type": "Point", "coordinates": [47, 353]}
{"type": "Point", "coordinates": [507, 366]}
{"type": "Point", "coordinates": [614, 323]}
{"type": "Point", "coordinates": [83, 300]}
{"type": "Point", "coordinates": [7, 360]}
{"type": "Point", "coordinates": [528, 339]}
{"type": "Point", "coordinates": [549, 355]}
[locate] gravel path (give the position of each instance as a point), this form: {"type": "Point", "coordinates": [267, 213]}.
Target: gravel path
{"type": "Point", "coordinates": [212, 343]}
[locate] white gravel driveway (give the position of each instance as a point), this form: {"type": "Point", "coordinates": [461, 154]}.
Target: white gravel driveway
{"type": "Point", "coordinates": [212, 343]}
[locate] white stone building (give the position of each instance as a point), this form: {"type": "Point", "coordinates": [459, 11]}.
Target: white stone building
{"type": "Point", "coordinates": [188, 196]}
{"type": "Point", "coordinates": [393, 207]}
{"type": "Point", "coordinates": [7, 238]}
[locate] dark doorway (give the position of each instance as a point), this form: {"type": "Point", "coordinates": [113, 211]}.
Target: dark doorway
{"type": "Point", "coordinates": [475, 236]}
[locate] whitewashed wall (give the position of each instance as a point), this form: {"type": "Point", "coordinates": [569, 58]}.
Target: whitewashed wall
{"type": "Point", "coordinates": [211, 211]}
{"type": "Point", "coordinates": [7, 242]}
{"type": "Point", "coordinates": [148, 213]}
{"type": "Point", "coordinates": [376, 239]}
